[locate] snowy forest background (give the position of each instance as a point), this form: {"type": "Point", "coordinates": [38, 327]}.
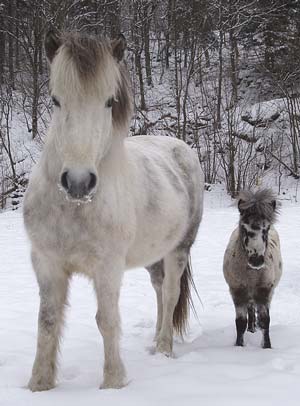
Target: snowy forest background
{"type": "Point", "coordinates": [222, 75]}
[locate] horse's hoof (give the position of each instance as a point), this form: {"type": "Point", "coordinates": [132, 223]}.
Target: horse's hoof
{"type": "Point", "coordinates": [39, 385]}
{"type": "Point", "coordinates": [164, 347]}
{"type": "Point", "coordinates": [113, 384]}
{"type": "Point", "coordinates": [114, 381]}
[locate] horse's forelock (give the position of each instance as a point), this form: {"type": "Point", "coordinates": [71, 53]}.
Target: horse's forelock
{"type": "Point", "coordinates": [262, 203]}
{"type": "Point", "coordinates": [86, 64]}
{"type": "Point", "coordinates": [87, 53]}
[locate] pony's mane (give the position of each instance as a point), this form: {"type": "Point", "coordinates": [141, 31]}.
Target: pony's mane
{"type": "Point", "coordinates": [85, 63]}
{"type": "Point", "coordinates": [261, 203]}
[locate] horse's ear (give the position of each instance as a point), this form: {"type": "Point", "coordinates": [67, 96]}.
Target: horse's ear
{"type": "Point", "coordinates": [240, 206]}
{"type": "Point", "coordinates": [118, 47]}
{"type": "Point", "coordinates": [52, 43]}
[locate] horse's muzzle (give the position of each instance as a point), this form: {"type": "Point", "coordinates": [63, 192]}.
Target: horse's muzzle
{"type": "Point", "coordinates": [79, 184]}
{"type": "Point", "coordinates": [256, 261]}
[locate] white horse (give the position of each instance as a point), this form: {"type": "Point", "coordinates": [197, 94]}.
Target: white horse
{"type": "Point", "coordinates": [98, 204]}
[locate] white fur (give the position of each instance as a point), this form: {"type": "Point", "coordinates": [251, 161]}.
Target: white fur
{"type": "Point", "coordinates": [140, 213]}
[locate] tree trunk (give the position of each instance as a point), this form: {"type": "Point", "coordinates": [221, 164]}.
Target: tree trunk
{"type": "Point", "coordinates": [11, 14]}
{"type": "Point", "coordinates": [2, 50]}
{"type": "Point", "coordinates": [220, 80]}
{"type": "Point", "coordinates": [147, 23]}
{"type": "Point", "coordinates": [114, 18]}
{"type": "Point", "coordinates": [35, 79]}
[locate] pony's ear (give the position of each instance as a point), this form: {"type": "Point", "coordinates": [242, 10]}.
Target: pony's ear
{"type": "Point", "coordinates": [240, 206]}
{"type": "Point", "coordinates": [273, 204]}
{"type": "Point", "coordinates": [118, 47]}
{"type": "Point", "coordinates": [52, 43]}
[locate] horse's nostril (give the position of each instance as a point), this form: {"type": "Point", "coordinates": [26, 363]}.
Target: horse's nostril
{"type": "Point", "coordinates": [78, 182]}
{"type": "Point", "coordinates": [93, 181]}
{"type": "Point", "coordinates": [64, 180]}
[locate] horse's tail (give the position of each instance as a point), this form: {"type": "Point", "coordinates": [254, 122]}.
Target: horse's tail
{"type": "Point", "coordinates": [185, 301]}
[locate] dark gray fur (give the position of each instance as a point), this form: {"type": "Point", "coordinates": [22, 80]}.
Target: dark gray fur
{"type": "Point", "coordinates": [261, 204]}
{"type": "Point", "coordinates": [252, 289]}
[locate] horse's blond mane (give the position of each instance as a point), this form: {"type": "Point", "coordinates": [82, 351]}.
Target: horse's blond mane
{"type": "Point", "coordinates": [87, 53]}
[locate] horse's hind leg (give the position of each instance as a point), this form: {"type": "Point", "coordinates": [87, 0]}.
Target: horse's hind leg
{"type": "Point", "coordinates": [53, 284]}
{"type": "Point", "coordinates": [157, 276]}
{"type": "Point", "coordinates": [251, 318]}
{"type": "Point", "coordinates": [174, 266]}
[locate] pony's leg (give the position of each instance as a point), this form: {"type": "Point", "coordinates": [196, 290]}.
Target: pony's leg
{"type": "Point", "coordinates": [240, 299]}
{"type": "Point", "coordinates": [157, 276]}
{"type": "Point", "coordinates": [174, 265]}
{"type": "Point", "coordinates": [53, 284]}
{"type": "Point", "coordinates": [251, 318]}
{"type": "Point", "coordinates": [263, 298]}
{"type": "Point", "coordinates": [107, 285]}
{"type": "Point", "coordinates": [264, 324]}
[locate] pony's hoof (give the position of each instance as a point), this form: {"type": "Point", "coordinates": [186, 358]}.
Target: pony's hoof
{"type": "Point", "coordinates": [251, 329]}
{"type": "Point", "coordinates": [40, 384]}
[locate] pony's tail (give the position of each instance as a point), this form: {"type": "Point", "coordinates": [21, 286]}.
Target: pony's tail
{"type": "Point", "coordinates": [185, 301]}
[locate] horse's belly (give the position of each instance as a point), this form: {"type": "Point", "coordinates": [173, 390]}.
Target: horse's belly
{"type": "Point", "coordinates": [147, 254]}
{"type": "Point", "coordinates": [154, 242]}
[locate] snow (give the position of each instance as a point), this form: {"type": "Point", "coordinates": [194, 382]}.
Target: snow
{"type": "Point", "coordinates": [207, 368]}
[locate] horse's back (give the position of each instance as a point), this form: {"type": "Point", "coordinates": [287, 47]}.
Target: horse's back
{"type": "Point", "coordinates": [164, 147]}
{"type": "Point", "coordinates": [167, 159]}
{"type": "Point", "coordinates": [167, 182]}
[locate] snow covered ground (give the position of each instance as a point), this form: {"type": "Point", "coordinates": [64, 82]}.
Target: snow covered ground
{"type": "Point", "coordinates": [207, 369]}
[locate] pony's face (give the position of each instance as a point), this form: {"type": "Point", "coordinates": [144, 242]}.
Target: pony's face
{"type": "Point", "coordinates": [258, 212]}
{"type": "Point", "coordinates": [83, 85]}
{"type": "Point", "coordinates": [254, 235]}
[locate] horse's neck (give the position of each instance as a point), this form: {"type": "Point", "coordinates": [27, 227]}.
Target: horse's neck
{"type": "Point", "coordinates": [114, 162]}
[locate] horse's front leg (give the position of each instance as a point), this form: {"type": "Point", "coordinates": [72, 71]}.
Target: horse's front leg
{"type": "Point", "coordinates": [240, 299]}
{"type": "Point", "coordinates": [263, 298]}
{"type": "Point", "coordinates": [53, 285]}
{"type": "Point", "coordinates": [107, 285]}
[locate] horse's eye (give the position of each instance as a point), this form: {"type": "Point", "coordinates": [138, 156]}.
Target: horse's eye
{"type": "Point", "coordinates": [55, 101]}
{"type": "Point", "coordinates": [109, 102]}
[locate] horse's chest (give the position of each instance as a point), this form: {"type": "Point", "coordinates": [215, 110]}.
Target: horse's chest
{"type": "Point", "coordinates": [71, 235]}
